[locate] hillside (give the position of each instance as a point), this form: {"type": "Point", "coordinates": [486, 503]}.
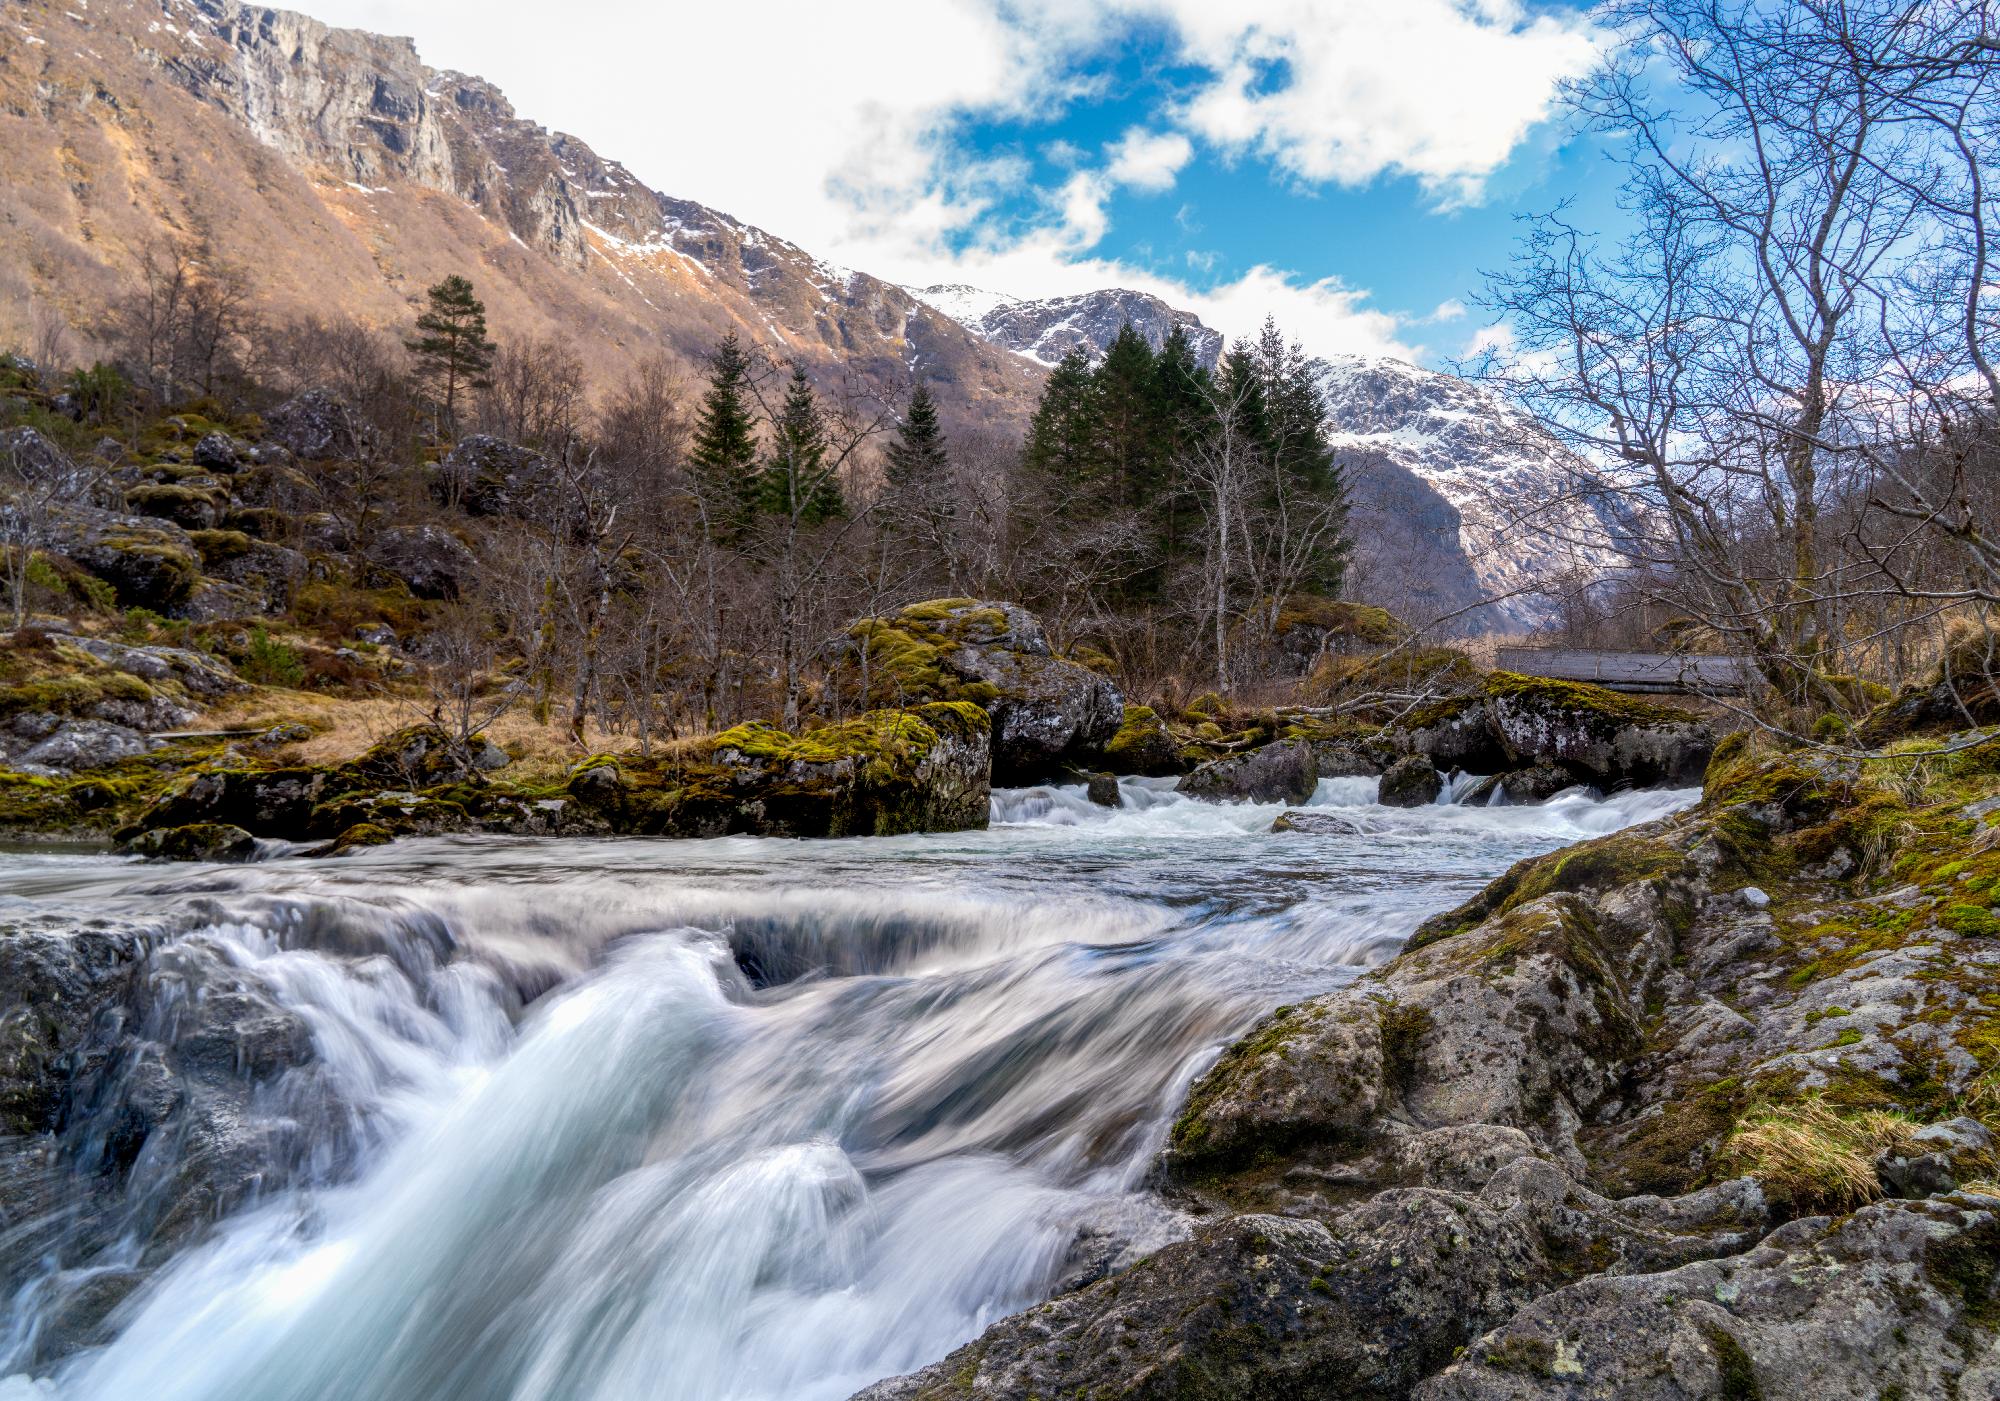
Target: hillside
{"type": "Point", "coordinates": [342, 174]}
{"type": "Point", "coordinates": [339, 173]}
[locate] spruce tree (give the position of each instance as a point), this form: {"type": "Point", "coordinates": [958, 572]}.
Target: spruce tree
{"type": "Point", "coordinates": [1062, 436]}
{"type": "Point", "coordinates": [1129, 432]}
{"type": "Point", "coordinates": [451, 347]}
{"type": "Point", "coordinates": [918, 487]}
{"type": "Point", "coordinates": [725, 444]}
{"type": "Point", "coordinates": [797, 482]}
{"type": "Point", "coordinates": [1302, 457]}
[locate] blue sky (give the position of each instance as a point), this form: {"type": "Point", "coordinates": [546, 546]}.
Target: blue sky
{"type": "Point", "coordinates": [1347, 165]}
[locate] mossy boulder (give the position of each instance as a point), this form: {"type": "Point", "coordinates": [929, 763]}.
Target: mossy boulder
{"type": "Point", "coordinates": [148, 563]}
{"type": "Point", "coordinates": [1047, 712]}
{"type": "Point", "coordinates": [886, 772]}
{"type": "Point", "coordinates": [1308, 627]}
{"type": "Point", "coordinates": [1143, 745]}
{"type": "Point", "coordinates": [198, 841]}
{"type": "Point", "coordinates": [1597, 736]}
{"type": "Point", "coordinates": [190, 507]}
{"type": "Point", "coordinates": [489, 476]}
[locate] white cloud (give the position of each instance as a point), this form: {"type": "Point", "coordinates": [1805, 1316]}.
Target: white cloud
{"type": "Point", "coordinates": [1149, 161]}
{"type": "Point", "coordinates": [834, 125]}
{"type": "Point", "coordinates": [1450, 309]}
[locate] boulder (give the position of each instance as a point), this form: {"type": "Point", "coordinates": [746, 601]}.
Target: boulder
{"type": "Point", "coordinates": [1614, 740]}
{"type": "Point", "coordinates": [1047, 712]}
{"type": "Point", "coordinates": [1285, 772]}
{"type": "Point", "coordinates": [882, 773]}
{"type": "Point", "coordinates": [187, 506]}
{"type": "Point", "coordinates": [200, 841]}
{"type": "Point", "coordinates": [218, 452]}
{"type": "Point", "coordinates": [84, 744]}
{"type": "Point", "coordinates": [27, 453]}
{"type": "Point", "coordinates": [430, 559]}
{"type": "Point", "coordinates": [1102, 789]}
{"type": "Point", "coordinates": [315, 426]}
{"type": "Point", "coordinates": [148, 563]}
{"type": "Point", "coordinates": [1535, 785]}
{"type": "Point", "coordinates": [1597, 736]}
{"type": "Point", "coordinates": [1143, 745]}
{"type": "Point", "coordinates": [1410, 783]}
{"type": "Point", "coordinates": [1316, 824]}
{"type": "Point", "coordinates": [489, 476]}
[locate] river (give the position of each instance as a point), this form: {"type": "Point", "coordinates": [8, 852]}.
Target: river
{"type": "Point", "coordinates": [748, 1119]}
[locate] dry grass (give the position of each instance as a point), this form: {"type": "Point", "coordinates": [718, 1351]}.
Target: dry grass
{"type": "Point", "coordinates": [1817, 1155]}
{"type": "Point", "coordinates": [343, 728]}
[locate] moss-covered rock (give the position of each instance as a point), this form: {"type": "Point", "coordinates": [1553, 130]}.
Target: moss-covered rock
{"type": "Point", "coordinates": [190, 507]}
{"type": "Point", "coordinates": [200, 841]}
{"type": "Point", "coordinates": [1143, 745]}
{"type": "Point", "coordinates": [1047, 712]}
{"type": "Point", "coordinates": [148, 563]}
{"type": "Point", "coordinates": [1412, 782]}
{"type": "Point", "coordinates": [885, 772]}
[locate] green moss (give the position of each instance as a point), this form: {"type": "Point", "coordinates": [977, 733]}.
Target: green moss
{"type": "Point", "coordinates": [1580, 698]}
{"type": "Point", "coordinates": [1737, 1380]}
{"type": "Point", "coordinates": [220, 546]}
{"type": "Point", "coordinates": [1358, 622]}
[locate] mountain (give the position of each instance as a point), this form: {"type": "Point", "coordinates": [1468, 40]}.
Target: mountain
{"type": "Point", "coordinates": [341, 174]}
{"type": "Point", "coordinates": [1045, 330]}
{"type": "Point", "coordinates": [1458, 495]}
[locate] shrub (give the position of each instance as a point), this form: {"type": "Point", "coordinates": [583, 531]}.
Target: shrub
{"type": "Point", "coordinates": [272, 663]}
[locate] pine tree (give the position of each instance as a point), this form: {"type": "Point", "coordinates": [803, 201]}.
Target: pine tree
{"type": "Point", "coordinates": [451, 345]}
{"type": "Point", "coordinates": [797, 481]}
{"type": "Point", "coordinates": [725, 444]}
{"type": "Point", "coordinates": [1183, 407]}
{"type": "Point", "coordinates": [1302, 458]}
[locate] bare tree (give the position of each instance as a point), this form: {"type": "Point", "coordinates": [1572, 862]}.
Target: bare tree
{"type": "Point", "coordinates": [1763, 351]}
{"type": "Point", "coordinates": [35, 487]}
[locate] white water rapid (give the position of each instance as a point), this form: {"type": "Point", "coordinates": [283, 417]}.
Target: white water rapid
{"type": "Point", "coordinates": [748, 1119]}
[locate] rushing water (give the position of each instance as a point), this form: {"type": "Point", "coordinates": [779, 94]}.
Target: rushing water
{"type": "Point", "coordinates": [740, 1118]}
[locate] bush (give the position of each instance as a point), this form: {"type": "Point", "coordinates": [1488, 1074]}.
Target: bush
{"type": "Point", "coordinates": [272, 663]}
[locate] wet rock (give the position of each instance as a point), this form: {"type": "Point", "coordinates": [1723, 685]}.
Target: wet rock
{"type": "Point", "coordinates": [1535, 785]}
{"type": "Point", "coordinates": [315, 426]}
{"type": "Point", "coordinates": [267, 802]}
{"type": "Point", "coordinates": [1143, 745]}
{"type": "Point", "coordinates": [431, 560]}
{"type": "Point", "coordinates": [1047, 712]}
{"type": "Point", "coordinates": [1409, 783]}
{"type": "Point", "coordinates": [1102, 789]}
{"type": "Point", "coordinates": [84, 744]}
{"type": "Point", "coordinates": [1285, 772]}
{"type": "Point", "coordinates": [201, 841]}
{"type": "Point", "coordinates": [1316, 824]}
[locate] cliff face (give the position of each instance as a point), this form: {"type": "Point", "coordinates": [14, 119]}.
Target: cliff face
{"type": "Point", "coordinates": [342, 174]}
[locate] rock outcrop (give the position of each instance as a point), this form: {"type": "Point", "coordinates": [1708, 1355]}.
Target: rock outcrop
{"type": "Point", "coordinates": [1680, 1112]}
{"type": "Point", "coordinates": [1596, 736]}
{"type": "Point", "coordinates": [881, 774]}
{"type": "Point", "coordinates": [1047, 712]}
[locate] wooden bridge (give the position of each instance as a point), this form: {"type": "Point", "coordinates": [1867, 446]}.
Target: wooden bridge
{"type": "Point", "coordinates": [1634, 671]}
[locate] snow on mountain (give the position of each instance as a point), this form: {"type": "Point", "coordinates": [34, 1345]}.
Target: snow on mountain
{"type": "Point", "coordinates": [1525, 513]}
{"type": "Point", "coordinates": [1045, 330]}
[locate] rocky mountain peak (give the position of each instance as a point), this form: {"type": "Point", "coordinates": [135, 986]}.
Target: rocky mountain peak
{"type": "Point", "coordinates": [1046, 329]}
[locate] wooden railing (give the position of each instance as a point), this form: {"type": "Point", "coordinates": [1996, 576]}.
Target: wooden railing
{"type": "Point", "coordinates": [1634, 671]}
